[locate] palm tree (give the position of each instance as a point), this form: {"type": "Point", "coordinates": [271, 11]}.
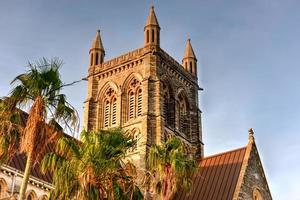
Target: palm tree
{"type": "Point", "coordinates": [93, 168]}
{"type": "Point", "coordinates": [37, 90]}
{"type": "Point", "coordinates": [170, 169]}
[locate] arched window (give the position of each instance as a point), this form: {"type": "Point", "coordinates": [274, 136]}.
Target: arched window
{"type": "Point", "coordinates": [257, 195]}
{"type": "Point", "coordinates": [157, 35]}
{"type": "Point", "coordinates": [131, 105]}
{"type": "Point", "coordinates": [191, 67]}
{"type": "Point", "coordinates": [31, 195]}
{"type": "Point", "coordinates": [168, 106]}
{"type": "Point", "coordinates": [139, 102]}
{"type": "Point", "coordinates": [92, 59]}
{"type": "Point", "coordinates": [134, 100]}
{"type": "Point", "coordinates": [114, 112]}
{"type": "Point", "coordinates": [109, 108]}
{"type": "Point", "coordinates": [166, 100]}
{"type": "Point", "coordinates": [147, 36]}
{"type": "Point", "coordinates": [152, 35]}
{"type": "Point", "coordinates": [96, 59]}
{"type": "Point", "coordinates": [182, 120]}
{"type": "Point", "coordinates": [3, 188]}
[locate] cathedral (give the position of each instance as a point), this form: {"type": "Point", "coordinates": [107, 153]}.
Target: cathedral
{"type": "Point", "coordinates": [150, 95]}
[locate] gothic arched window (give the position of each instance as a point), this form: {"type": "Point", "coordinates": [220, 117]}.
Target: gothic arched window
{"type": "Point", "coordinates": [31, 195]}
{"type": "Point", "coordinates": [131, 105]}
{"type": "Point", "coordinates": [3, 188]}
{"type": "Point", "coordinates": [147, 36]}
{"type": "Point", "coordinates": [96, 59]}
{"type": "Point", "coordinates": [109, 108]}
{"type": "Point", "coordinates": [168, 109]}
{"type": "Point", "coordinates": [134, 100]}
{"type": "Point", "coordinates": [182, 119]}
{"type": "Point", "coordinates": [139, 102]}
{"type": "Point", "coordinates": [257, 195]}
{"type": "Point", "coordinates": [92, 58]}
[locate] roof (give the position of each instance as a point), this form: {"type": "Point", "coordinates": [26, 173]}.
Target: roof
{"type": "Point", "coordinates": [97, 43]}
{"type": "Point", "coordinates": [152, 19]}
{"type": "Point", "coordinates": [19, 161]}
{"type": "Point", "coordinates": [189, 52]}
{"type": "Point", "coordinates": [217, 177]}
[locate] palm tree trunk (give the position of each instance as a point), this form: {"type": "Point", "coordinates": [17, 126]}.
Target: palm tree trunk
{"type": "Point", "coordinates": [25, 177]}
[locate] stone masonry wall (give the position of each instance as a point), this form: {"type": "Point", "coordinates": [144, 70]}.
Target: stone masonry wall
{"type": "Point", "coordinates": [254, 178]}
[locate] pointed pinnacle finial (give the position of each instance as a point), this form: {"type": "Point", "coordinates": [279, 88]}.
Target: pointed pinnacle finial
{"type": "Point", "coordinates": [97, 43]}
{"type": "Point", "coordinates": [151, 19]}
{"type": "Point", "coordinates": [251, 135]}
{"type": "Point", "coordinates": [189, 52]}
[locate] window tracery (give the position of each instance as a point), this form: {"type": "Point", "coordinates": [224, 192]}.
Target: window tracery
{"type": "Point", "coordinates": [110, 108]}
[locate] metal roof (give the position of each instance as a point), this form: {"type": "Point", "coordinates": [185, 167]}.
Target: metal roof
{"type": "Point", "coordinates": [217, 177]}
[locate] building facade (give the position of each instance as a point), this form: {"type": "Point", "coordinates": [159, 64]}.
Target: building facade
{"type": "Point", "coordinates": [146, 92]}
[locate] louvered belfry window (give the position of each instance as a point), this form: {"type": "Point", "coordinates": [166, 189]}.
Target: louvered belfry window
{"type": "Point", "coordinates": [135, 100]}
{"type": "Point", "coordinates": [114, 112]}
{"type": "Point", "coordinates": [110, 108]}
{"type": "Point", "coordinates": [106, 113]}
{"type": "Point", "coordinates": [139, 102]}
{"type": "Point", "coordinates": [131, 105]}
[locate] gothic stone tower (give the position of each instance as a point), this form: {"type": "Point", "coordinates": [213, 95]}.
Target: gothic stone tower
{"type": "Point", "coordinates": [146, 92]}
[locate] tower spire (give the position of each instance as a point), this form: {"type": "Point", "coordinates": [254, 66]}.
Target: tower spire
{"type": "Point", "coordinates": [189, 60]}
{"type": "Point", "coordinates": [189, 52]}
{"type": "Point", "coordinates": [97, 51]}
{"type": "Point", "coordinates": [151, 29]}
{"type": "Point", "coordinates": [152, 19]}
{"type": "Point", "coordinates": [97, 43]}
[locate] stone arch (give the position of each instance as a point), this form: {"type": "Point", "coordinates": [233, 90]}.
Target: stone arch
{"type": "Point", "coordinates": [182, 91]}
{"type": "Point", "coordinates": [106, 86]}
{"type": "Point", "coordinates": [132, 97]}
{"type": "Point", "coordinates": [130, 78]}
{"type": "Point", "coordinates": [108, 105]}
{"type": "Point", "coordinates": [169, 82]}
{"type": "Point", "coordinates": [3, 188]}
{"type": "Point", "coordinates": [31, 195]}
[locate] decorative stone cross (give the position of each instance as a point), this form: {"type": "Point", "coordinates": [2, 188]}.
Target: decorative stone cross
{"type": "Point", "coordinates": [110, 92]}
{"type": "Point", "coordinates": [134, 83]}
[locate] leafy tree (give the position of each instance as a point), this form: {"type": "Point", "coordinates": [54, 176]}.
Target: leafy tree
{"type": "Point", "coordinates": [93, 168]}
{"type": "Point", "coordinates": [39, 91]}
{"type": "Point", "coordinates": [170, 169]}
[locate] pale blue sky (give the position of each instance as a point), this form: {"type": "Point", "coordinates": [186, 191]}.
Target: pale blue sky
{"type": "Point", "coordinates": [248, 52]}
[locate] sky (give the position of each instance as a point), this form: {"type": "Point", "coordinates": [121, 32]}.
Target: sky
{"type": "Point", "coordinates": [248, 63]}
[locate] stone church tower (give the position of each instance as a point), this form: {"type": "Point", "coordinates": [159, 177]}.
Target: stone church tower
{"type": "Point", "coordinates": [146, 92]}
